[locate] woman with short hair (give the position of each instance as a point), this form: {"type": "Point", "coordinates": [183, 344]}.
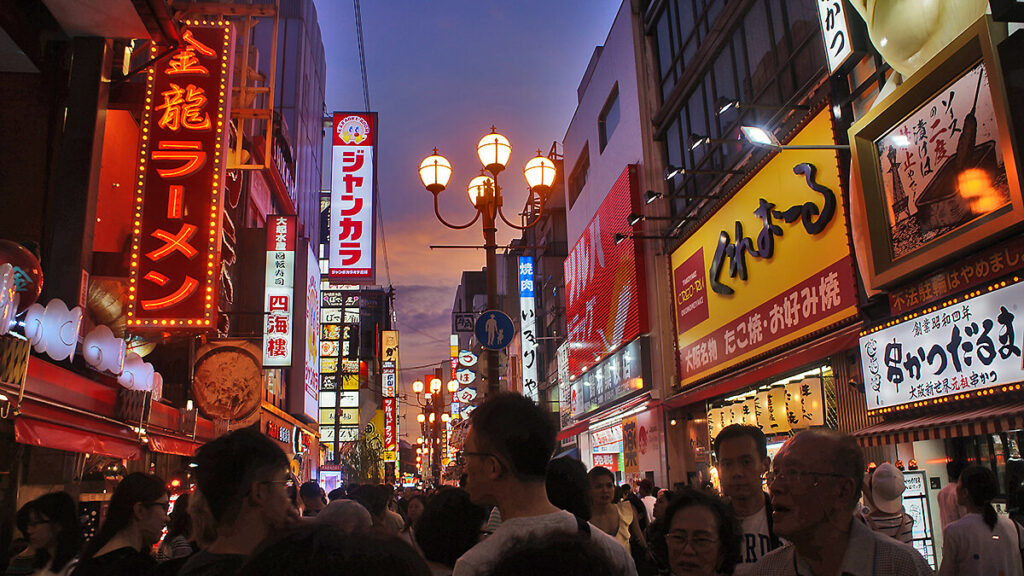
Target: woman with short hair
{"type": "Point", "coordinates": [702, 536]}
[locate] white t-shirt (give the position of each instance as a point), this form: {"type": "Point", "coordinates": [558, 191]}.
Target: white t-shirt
{"type": "Point", "coordinates": [969, 547]}
{"type": "Point", "coordinates": [480, 559]}
{"type": "Point", "coordinates": [649, 504]}
{"type": "Point", "coordinates": [756, 541]}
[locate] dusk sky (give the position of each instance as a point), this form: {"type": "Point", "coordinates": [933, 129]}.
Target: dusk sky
{"type": "Point", "coordinates": [440, 74]}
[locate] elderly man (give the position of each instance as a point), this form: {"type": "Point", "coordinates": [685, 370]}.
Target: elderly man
{"type": "Point", "coordinates": [506, 457]}
{"type": "Point", "coordinates": [815, 483]}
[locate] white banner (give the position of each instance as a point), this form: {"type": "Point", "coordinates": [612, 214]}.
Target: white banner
{"type": "Point", "coordinates": [351, 228]}
{"type": "Point", "coordinates": [971, 345]}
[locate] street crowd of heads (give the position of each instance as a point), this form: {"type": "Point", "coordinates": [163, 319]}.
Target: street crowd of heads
{"type": "Point", "coordinates": [522, 512]}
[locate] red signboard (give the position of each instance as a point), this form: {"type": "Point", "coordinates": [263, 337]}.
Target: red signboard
{"type": "Point", "coordinates": [390, 424]}
{"type": "Point", "coordinates": [604, 286]}
{"type": "Point", "coordinates": [609, 461]}
{"type": "Point", "coordinates": [175, 252]}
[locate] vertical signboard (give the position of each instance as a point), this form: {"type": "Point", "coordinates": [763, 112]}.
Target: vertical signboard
{"type": "Point", "coordinates": [564, 386]}
{"type": "Point", "coordinates": [279, 290]}
{"type": "Point", "coordinates": [389, 373]}
{"type": "Point", "coordinates": [835, 31]}
{"type": "Point", "coordinates": [604, 281]}
{"type": "Point", "coordinates": [351, 242]}
{"type": "Point", "coordinates": [306, 358]}
{"type": "Point", "coordinates": [528, 327]}
{"type": "Point", "coordinates": [175, 251]}
{"type": "Point", "coordinates": [390, 428]}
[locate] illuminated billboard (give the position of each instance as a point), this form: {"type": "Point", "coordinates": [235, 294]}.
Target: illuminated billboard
{"type": "Point", "coordinates": [177, 208]}
{"type": "Point", "coordinates": [528, 327]}
{"type": "Point", "coordinates": [351, 242]}
{"type": "Point", "coordinates": [279, 289]}
{"type": "Point", "coordinates": [604, 287]}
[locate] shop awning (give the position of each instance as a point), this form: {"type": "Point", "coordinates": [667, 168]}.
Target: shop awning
{"type": "Point", "coordinates": [572, 430]}
{"type": "Point", "coordinates": [74, 439]}
{"type": "Point", "coordinates": [973, 422]}
{"type": "Point", "coordinates": [172, 445]}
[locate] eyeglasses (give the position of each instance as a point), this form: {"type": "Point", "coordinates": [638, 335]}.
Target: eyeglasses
{"type": "Point", "coordinates": [699, 542]}
{"type": "Point", "coordinates": [460, 458]}
{"type": "Point", "coordinates": [798, 477]}
{"type": "Point", "coordinates": [165, 505]}
{"type": "Point", "coordinates": [288, 482]}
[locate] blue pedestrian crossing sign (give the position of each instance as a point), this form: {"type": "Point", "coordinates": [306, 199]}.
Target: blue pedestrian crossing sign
{"type": "Point", "coordinates": [494, 330]}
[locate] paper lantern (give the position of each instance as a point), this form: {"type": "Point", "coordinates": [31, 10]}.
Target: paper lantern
{"type": "Point", "coordinates": [794, 406]}
{"type": "Point", "coordinates": [104, 351]}
{"type": "Point", "coordinates": [27, 272]}
{"type": "Point", "coordinates": [762, 416]}
{"type": "Point", "coordinates": [777, 411]}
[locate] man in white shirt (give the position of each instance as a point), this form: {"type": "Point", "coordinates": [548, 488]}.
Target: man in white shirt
{"type": "Point", "coordinates": [742, 463]}
{"type": "Point", "coordinates": [506, 454]}
{"type": "Point", "coordinates": [646, 492]}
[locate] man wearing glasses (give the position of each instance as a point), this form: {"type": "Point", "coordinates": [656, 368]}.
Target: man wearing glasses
{"type": "Point", "coordinates": [243, 478]}
{"type": "Point", "coordinates": [815, 484]}
{"type": "Point", "coordinates": [506, 455]}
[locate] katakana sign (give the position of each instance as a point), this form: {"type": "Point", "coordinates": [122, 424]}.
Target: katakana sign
{"type": "Point", "coordinates": [351, 242]}
{"type": "Point", "coordinates": [175, 251]}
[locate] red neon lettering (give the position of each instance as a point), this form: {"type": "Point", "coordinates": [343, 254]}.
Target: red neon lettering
{"type": "Point", "coordinates": [175, 200]}
{"type": "Point", "coordinates": [176, 297]}
{"type": "Point", "coordinates": [174, 242]}
{"type": "Point", "coordinates": [183, 108]}
{"type": "Point", "coordinates": [189, 152]}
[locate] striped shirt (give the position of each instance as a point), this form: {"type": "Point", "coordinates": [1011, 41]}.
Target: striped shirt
{"type": "Point", "coordinates": [899, 526]}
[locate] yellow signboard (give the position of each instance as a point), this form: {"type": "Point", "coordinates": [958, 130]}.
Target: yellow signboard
{"type": "Point", "coordinates": [771, 266]}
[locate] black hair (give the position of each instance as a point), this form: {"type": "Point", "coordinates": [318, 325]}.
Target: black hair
{"type": "Point", "coordinates": [336, 494]}
{"type": "Point", "coordinates": [519, 431]}
{"type": "Point", "coordinates": [743, 430]}
{"type": "Point", "coordinates": [135, 488]}
{"type": "Point", "coordinates": [21, 518]}
{"type": "Point", "coordinates": [227, 466]}
{"type": "Point", "coordinates": [373, 498]}
{"type": "Point", "coordinates": [954, 468]}
{"type": "Point", "coordinates": [449, 526]}
{"type": "Point", "coordinates": [180, 522]}
{"type": "Point", "coordinates": [730, 533]}
{"type": "Point", "coordinates": [560, 554]}
{"type": "Point", "coordinates": [646, 486]}
{"type": "Point", "coordinates": [601, 471]}
{"type": "Point", "coordinates": [981, 486]}
{"type": "Point", "coordinates": [60, 509]}
{"type": "Point", "coordinates": [310, 490]}
{"type": "Point", "coordinates": [568, 487]}
{"type": "Point", "coordinates": [403, 507]}
{"type": "Point", "coordinates": [319, 549]}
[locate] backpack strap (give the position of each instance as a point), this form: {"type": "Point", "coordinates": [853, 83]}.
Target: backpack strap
{"type": "Point", "coordinates": [582, 525]}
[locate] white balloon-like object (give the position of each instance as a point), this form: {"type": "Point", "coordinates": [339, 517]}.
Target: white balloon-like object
{"type": "Point", "coordinates": [34, 326]}
{"type": "Point", "coordinates": [60, 330]}
{"type": "Point", "coordinates": [104, 351]}
{"type": "Point", "coordinates": [158, 386]}
{"type": "Point", "coordinates": [137, 374]}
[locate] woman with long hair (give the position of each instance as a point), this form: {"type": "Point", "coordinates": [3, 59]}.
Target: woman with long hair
{"type": "Point", "coordinates": [414, 506]}
{"type": "Point", "coordinates": [54, 532]}
{"type": "Point", "coordinates": [981, 542]}
{"type": "Point", "coordinates": [135, 518]}
{"type": "Point", "coordinates": [178, 541]}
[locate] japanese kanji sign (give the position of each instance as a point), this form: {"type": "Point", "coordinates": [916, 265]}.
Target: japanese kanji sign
{"type": "Point", "coordinates": [970, 344]}
{"type": "Point", "coordinates": [351, 242]}
{"type": "Point", "coordinates": [528, 327]}
{"type": "Point", "coordinates": [280, 291]}
{"type": "Point", "coordinates": [835, 31]}
{"type": "Point", "coordinates": [175, 253]}
{"type": "Point", "coordinates": [772, 265]}
{"type": "Point", "coordinates": [604, 280]}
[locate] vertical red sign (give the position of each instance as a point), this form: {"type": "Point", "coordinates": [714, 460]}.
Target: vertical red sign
{"type": "Point", "coordinates": [175, 255]}
{"type": "Point", "coordinates": [390, 424]}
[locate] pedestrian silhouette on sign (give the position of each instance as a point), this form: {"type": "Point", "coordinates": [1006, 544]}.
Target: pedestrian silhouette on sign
{"type": "Point", "coordinates": [501, 335]}
{"type": "Point", "coordinates": [491, 326]}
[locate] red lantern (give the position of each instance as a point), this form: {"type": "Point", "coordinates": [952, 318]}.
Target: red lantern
{"type": "Point", "coordinates": [28, 274]}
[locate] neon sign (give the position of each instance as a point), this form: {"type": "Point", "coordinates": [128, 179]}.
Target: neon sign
{"type": "Point", "coordinates": [177, 208]}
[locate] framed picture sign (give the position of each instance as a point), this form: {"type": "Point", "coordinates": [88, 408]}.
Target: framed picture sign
{"type": "Point", "coordinates": [937, 170]}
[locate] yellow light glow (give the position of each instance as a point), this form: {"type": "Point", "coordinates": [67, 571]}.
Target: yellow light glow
{"type": "Point", "coordinates": [421, 418]}
{"type": "Point", "coordinates": [477, 186]}
{"type": "Point", "coordinates": [494, 151]}
{"type": "Point", "coordinates": [539, 172]}
{"type": "Point", "coordinates": [435, 171]}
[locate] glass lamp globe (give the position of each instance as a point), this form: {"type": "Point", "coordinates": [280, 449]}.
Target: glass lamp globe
{"type": "Point", "coordinates": [494, 151]}
{"type": "Point", "coordinates": [435, 171]}
{"type": "Point", "coordinates": [435, 385]}
{"type": "Point", "coordinates": [417, 387]}
{"type": "Point", "coordinates": [421, 418]}
{"type": "Point", "coordinates": [445, 417]}
{"type": "Point", "coordinates": [432, 417]}
{"type": "Point", "coordinates": [539, 173]}
{"type": "Point", "coordinates": [453, 386]}
{"type": "Point", "coordinates": [477, 186]}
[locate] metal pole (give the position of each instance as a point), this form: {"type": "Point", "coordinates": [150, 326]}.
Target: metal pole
{"type": "Point", "coordinates": [491, 246]}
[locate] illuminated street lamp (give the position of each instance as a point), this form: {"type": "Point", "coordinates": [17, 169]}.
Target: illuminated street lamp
{"type": "Point", "coordinates": [494, 152]}
{"type": "Point", "coordinates": [453, 386]}
{"type": "Point", "coordinates": [417, 387]}
{"type": "Point", "coordinates": [435, 386]}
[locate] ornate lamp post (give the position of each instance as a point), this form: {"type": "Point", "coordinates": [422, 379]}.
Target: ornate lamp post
{"type": "Point", "coordinates": [494, 151]}
{"type": "Point", "coordinates": [430, 418]}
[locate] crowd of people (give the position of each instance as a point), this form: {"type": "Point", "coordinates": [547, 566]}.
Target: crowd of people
{"type": "Point", "coordinates": [517, 511]}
